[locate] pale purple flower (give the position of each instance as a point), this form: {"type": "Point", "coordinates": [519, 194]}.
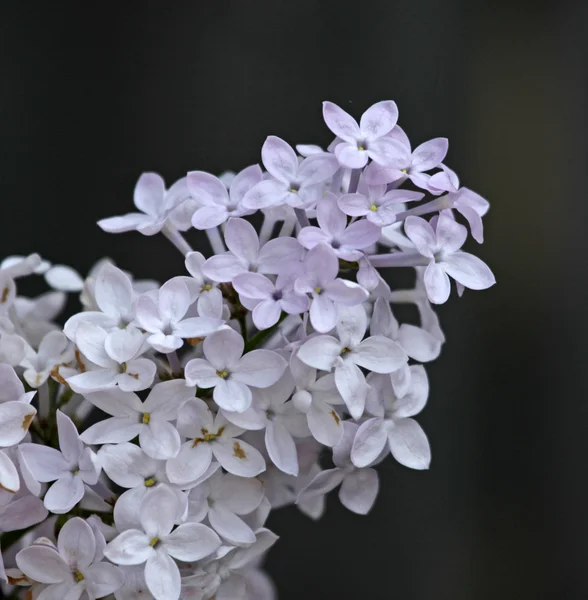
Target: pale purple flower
{"type": "Point", "coordinates": [245, 254]}
{"type": "Point", "coordinates": [71, 468]}
{"type": "Point", "coordinates": [163, 317]}
{"type": "Point", "coordinates": [222, 499]}
{"type": "Point", "coordinates": [72, 567]}
{"type": "Point", "coordinates": [210, 437]}
{"type": "Point", "coordinates": [346, 240]}
{"type": "Point", "coordinates": [298, 184]}
{"type": "Point", "coordinates": [328, 292]}
{"type": "Point", "coordinates": [116, 358]}
{"type": "Point", "coordinates": [231, 372]}
{"type": "Point", "coordinates": [54, 349]}
{"type": "Point", "coordinates": [270, 298]}
{"type": "Point", "coordinates": [392, 424]}
{"type": "Point", "coordinates": [366, 140]}
{"type": "Point", "coordinates": [157, 207]}
{"type": "Point", "coordinates": [156, 543]}
{"type": "Point", "coordinates": [217, 204]}
{"type": "Point", "coordinates": [16, 412]}
{"type": "Point", "coordinates": [465, 201]}
{"type": "Point", "coordinates": [376, 204]}
{"type": "Point", "coordinates": [359, 486]}
{"type": "Point", "coordinates": [442, 246]}
{"type": "Point", "coordinates": [150, 420]}
{"type": "Point", "coordinates": [209, 301]}
{"type": "Point", "coordinates": [407, 164]}
{"type": "Point", "coordinates": [272, 411]}
{"type": "Point", "coordinates": [347, 353]}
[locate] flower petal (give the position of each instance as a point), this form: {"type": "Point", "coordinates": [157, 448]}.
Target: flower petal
{"type": "Point", "coordinates": [341, 123]}
{"type": "Point", "coordinates": [279, 159]}
{"type": "Point", "coordinates": [378, 119]}
{"type": "Point", "coordinates": [359, 491]}
{"type": "Point", "coordinates": [409, 444]}
{"type": "Point", "coordinates": [370, 440]}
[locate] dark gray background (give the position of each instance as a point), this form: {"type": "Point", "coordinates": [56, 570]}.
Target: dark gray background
{"type": "Point", "coordinates": [91, 97]}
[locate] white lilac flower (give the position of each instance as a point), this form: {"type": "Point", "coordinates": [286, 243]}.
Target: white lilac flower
{"type": "Point", "coordinates": [245, 253]}
{"type": "Point", "coordinates": [16, 412]}
{"type": "Point", "coordinates": [209, 301]}
{"type": "Point", "coordinates": [163, 317]}
{"type": "Point", "coordinates": [347, 240]}
{"type": "Point", "coordinates": [359, 486]}
{"type": "Point", "coordinates": [319, 279]}
{"type": "Point", "coordinates": [298, 184]}
{"type": "Point", "coordinates": [392, 423]}
{"type": "Point", "coordinates": [232, 373]}
{"type": "Point", "coordinates": [217, 204]}
{"type": "Point", "coordinates": [359, 143]}
{"type": "Point", "coordinates": [71, 468]}
{"type": "Point", "coordinates": [442, 247]}
{"type": "Point", "coordinates": [157, 207]}
{"type": "Point", "coordinates": [115, 360]}
{"type": "Point", "coordinates": [348, 352]}
{"type": "Point", "coordinates": [221, 499]}
{"type": "Point", "coordinates": [54, 349]}
{"type": "Point", "coordinates": [156, 544]}
{"type": "Point", "coordinates": [69, 569]}
{"type": "Point", "coordinates": [150, 420]}
{"type": "Point", "coordinates": [210, 437]}
{"type": "Point", "coordinates": [272, 411]}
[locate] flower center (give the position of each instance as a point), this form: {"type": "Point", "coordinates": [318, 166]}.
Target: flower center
{"type": "Point", "coordinates": [294, 188]}
{"type": "Point", "coordinates": [373, 208]}
{"type": "Point", "coordinates": [206, 288]}
{"type": "Point", "coordinates": [154, 542]}
{"type": "Point", "coordinates": [207, 437]}
{"type": "Point", "coordinates": [150, 481]}
{"type": "Point", "coordinates": [78, 575]}
{"type": "Point", "coordinates": [146, 418]}
{"type": "Point", "coordinates": [223, 374]}
{"type": "Point", "coordinates": [405, 171]}
{"type": "Point", "coordinates": [277, 295]}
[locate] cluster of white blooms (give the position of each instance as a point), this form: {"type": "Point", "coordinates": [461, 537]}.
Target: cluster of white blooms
{"type": "Point", "coordinates": [145, 443]}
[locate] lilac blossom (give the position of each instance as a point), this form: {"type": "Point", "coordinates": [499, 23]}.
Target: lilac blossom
{"type": "Point", "coordinates": [442, 247]}
{"type": "Point", "coordinates": [298, 184]}
{"type": "Point", "coordinates": [346, 240]}
{"type": "Point", "coordinates": [367, 140]}
{"type": "Point", "coordinates": [407, 164]}
{"type": "Point", "coordinates": [217, 204]}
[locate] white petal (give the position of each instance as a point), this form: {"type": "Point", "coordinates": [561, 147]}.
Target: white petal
{"type": "Point", "coordinates": [223, 349]}
{"type": "Point", "coordinates": [325, 424]}
{"type": "Point", "coordinates": [409, 444]}
{"type": "Point", "coordinates": [159, 511]}
{"type": "Point", "coordinates": [359, 490]}
{"type": "Point", "coordinates": [112, 431]}
{"type": "Point", "coordinates": [242, 240]}
{"type": "Point", "coordinates": [238, 457]}
{"type": "Point", "coordinates": [191, 542]}
{"type": "Point", "coordinates": [113, 292]}
{"type": "Point", "coordinates": [103, 579]}
{"type": "Point", "coordinates": [281, 448]}
{"type": "Point", "coordinates": [418, 343]}
{"type": "Point", "coordinates": [469, 270]}
{"type": "Point", "coordinates": [69, 441]}
{"type": "Point", "coordinates": [240, 495]}
{"type": "Point", "coordinates": [259, 368]}
{"type": "Point", "coordinates": [92, 381]}
{"type": "Point", "coordinates": [125, 463]}
{"type": "Point", "coordinates": [352, 325]}
{"type": "Point", "coordinates": [190, 463]}
{"type": "Point", "coordinates": [64, 278]}
{"type": "Point", "coordinates": [15, 419]}
{"type": "Point", "coordinates": [76, 543]}
{"type": "Point", "coordinates": [323, 482]}
{"type": "Point", "coordinates": [123, 345]}
{"type": "Point", "coordinates": [45, 463]}
{"type": "Point", "coordinates": [323, 313]}
{"type": "Point", "coordinates": [369, 442]}
{"type": "Point", "coordinates": [9, 480]}
{"type": "Point", "coordinates": [162, 576]}
{"type": "Point", "coordinates": [167, 398]}
{"type": "Point", "coordinates": [90, 340]}
{"type": "Point", "coordinates": [201, 373]}
{"type": "Point", "coordinates": [160, 440]}
{"type": "Point", "coordinates": [232, 396]}
{"type": "Point", "coordinates": [22, 514]}
{"type": "Point", "coordinates": [437, 283]}
{"type": "Point", "coordinates": [379, 354]}
{"type": "Point", "coordinates": [131, 547]}
{"type": "Point", "coordinates": [64, 494]}
{"type": "Point", "coordinates": [320, 352]}
{"type": "Point", "coordinates": [223, 267]}
{"type": "Point", "coordinates": [116, 402]}
{"type": "Point", "coordinates": [42, 563]}
{"type": "Point", "coordinates": [352, 386]}
{"type": "Point", "coordinates": [228, 525]}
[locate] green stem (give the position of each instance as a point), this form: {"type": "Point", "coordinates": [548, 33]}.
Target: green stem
{"type": "Point", "coordinates": [261, 336]}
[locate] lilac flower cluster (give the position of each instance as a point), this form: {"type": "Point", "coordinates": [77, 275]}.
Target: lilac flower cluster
{"type": "Point", "coordinates": [163, 423]}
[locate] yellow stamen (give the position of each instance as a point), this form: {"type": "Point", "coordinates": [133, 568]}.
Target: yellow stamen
{"type": "Point", "coordinates": [360, 148]}
{"type": "Point", "coordinates": [150, 482]}
{"type": "Point", "coordinates": [317, 289]}
{"type": "Point", "coordinates": [207, 287]}
{"type": "Point", "coordinates": [26, 422]}
{"type": "Point", "coordinates": [373, 208]}
{"type": "Point", "coordinates": [78, 576]}
{"type": "Point", "coordinates": [222, 374]}
{"type": "Point", "coordinates": [146, 418]}
{"type": "Point", "coordinates": [154, 541]}
{"type": "Point", "coordinates": [336, 417]}
{"type": "Point", "coordinates": [404, 171]}
{"type": "Point", "coordinates": [238, 451]}
{"type": "Point", "coordinates": [345, 351]}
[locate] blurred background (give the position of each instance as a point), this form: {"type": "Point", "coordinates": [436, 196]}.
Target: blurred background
{"type": "Point", "coordinates": [91, 97]}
